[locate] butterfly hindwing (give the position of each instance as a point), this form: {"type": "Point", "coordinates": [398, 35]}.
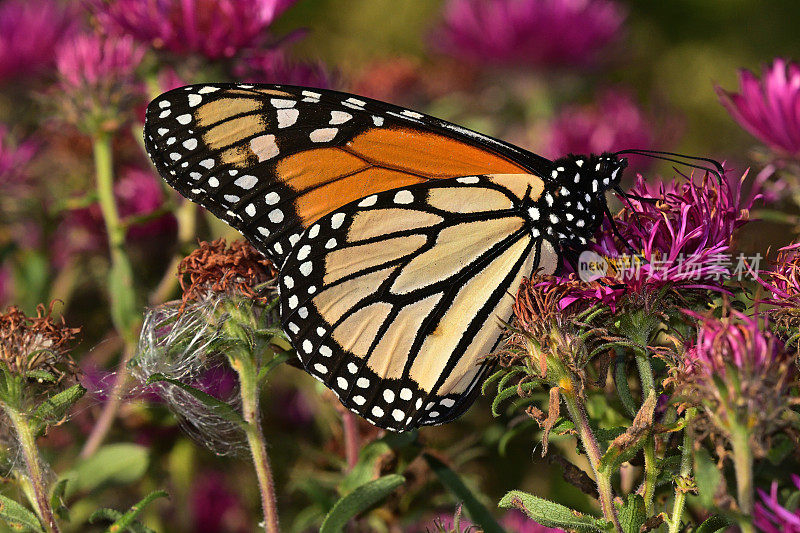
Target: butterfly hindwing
{"type": "Point", "coordinates": [271, 159]}
{"type": "Point", "coordinates": [393, 300]}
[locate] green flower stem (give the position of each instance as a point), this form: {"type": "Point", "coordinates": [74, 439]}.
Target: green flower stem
{"type": "Point", "coordinates": [33, 464]}
{"type": "Point", "coordinates": [243, 363]}
{"type": "Point", "coordinates": [686, 472]}
{"type": "Point", "coordinates": [121, 291]}
{"type": "Point", "coordinates": [649, 448]}
{"type": "Point", "coordinates": [743, 466]}
{"type": "Point", "coordinates": [603, 479]}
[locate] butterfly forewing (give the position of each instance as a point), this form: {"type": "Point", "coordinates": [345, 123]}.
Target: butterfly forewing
{"type": "Point", "coordinates": [394, 300]}
{"type": "Point", "coordinates": [270, 160]}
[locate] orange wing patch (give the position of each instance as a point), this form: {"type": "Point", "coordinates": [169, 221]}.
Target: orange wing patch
{"type": "Point", "coordinates": [378, 160]}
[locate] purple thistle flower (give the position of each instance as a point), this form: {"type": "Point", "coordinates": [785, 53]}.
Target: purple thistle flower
{"type": "Point", "coordinates": [769, 108]}
{"type": "Point", "coordinates": [770, 516]}
{"type": "Point", "coordinates": [684, 238]}
{"type": "Point", "coordinates": [139, 193]}
{"type": "Point", "coordinates": [30, 31]}
{"type": "Point", "coordinates": [213, 28]}
{"type": "Point", "coordinates": [614, 123]}
{"type": "Point", "coordinates": [98, 83]}
{"type": "Point", "coordinates": [93, 61]}
{"type": "Point", "coordinates": [274, 66]}
{"type": "Point", "coordinates": [740, 373]}
{"type": "Point", "coordinates": [530, 33]}
{"type": "Point", "coordinates": [14, 158]}
{"type": "Point", "coordinates": [682, 241]}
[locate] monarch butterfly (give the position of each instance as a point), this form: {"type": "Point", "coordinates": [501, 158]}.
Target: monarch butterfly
{"type": "Point", "coordinates": [399, 237]}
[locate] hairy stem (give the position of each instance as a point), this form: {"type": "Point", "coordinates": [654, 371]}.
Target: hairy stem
{"type": "Point", "coordinates": [122, 298]}
{"type": "Point", "coordinates": [246, 369]}
{"type": "Point", "coordinates": [603, 479]}
{"type": "Point", "coordinates": [743, 466]}
{"type": "Point", "coordinates": [649, 448]}
{"type": "Point", "coordinates": [686, 472]}
{"type": "Point", "coordinates": [33, 465]}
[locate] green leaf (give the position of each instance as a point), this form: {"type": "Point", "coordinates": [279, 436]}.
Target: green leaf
{"type": "Point", "coordinates": [707, 476]}
{"type": "Point", "coordinates": [127, 521]}
{"type": "Point", "coordinates": [55, 408]}
{"type": "Point", "coordinates": [713, 524]}
{"type": "Point", "coordinates": [220, 408]}
{"type": "Point", "coordinates": [552, 514]}
{"type": "Point", "coordinates": [57, 499]}
{"type": "Point", "coordinates": [113, 464]}
{"type": "Point", "coordinates": [475, 509]}
{"type": "Point", "coordinates": [361, 499]}
{"type": "Point", "coordinates": [17, 516]}
{"type": "Point", "coordinates": [40, 375]}
{"type": "Point", "coordinates": [366, 467]}
{"type": "Point", "coordinates": [632, 515]}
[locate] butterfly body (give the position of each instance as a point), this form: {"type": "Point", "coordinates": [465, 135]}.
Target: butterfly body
{"type": "Point", "coordinates": [399, 237]}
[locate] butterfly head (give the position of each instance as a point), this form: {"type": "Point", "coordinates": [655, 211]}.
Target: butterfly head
{"type": "Point", "coordinates": [574, 197]}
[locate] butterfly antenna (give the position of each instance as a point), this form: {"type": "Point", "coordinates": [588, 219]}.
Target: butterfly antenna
{"type": "Point", "coordinates": [718, 170]}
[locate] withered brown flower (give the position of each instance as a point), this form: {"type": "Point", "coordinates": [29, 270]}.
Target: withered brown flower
{"type": "Point", "coordinates": [215, 267]}
{"type": "Point", "coordinates": [37, 347]}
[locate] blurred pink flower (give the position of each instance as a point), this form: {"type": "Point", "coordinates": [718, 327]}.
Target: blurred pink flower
{"type": "Point", "coordinates": [139, 193]}
{"type": "Point", "coordinates": [614, 122]}
{"type": "Point", "coordinates": [81, 231]}
{"type": "Point", "coordinates": [215, 507]}
{"type": "Point", "coordinates": [93, 61]}
{"type": "Point", "coordinates": [98, 86]}
{"type": "Point", "coordinates": [274, 66]}
{"type": "Point", "coordinates": [30, 31]}
{"type": "Point", "coordinates": [529, 33]}
{"type": "Point", "coordinates": [213, 28]}
{"type": "Point", "coordinates": [14, 158]}
{"type": "Point", "coordinates": [770, 516]}
{"type": "Point", "coordinates": [769, 108]}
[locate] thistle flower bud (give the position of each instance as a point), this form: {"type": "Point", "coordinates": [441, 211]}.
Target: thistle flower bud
{"type": "Point", "coordinates": [740, 374]}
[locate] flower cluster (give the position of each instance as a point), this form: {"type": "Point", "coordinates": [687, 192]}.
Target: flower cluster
{"type": "Point", "coordinates": [98, 79]}
{"type": "Point", "coordinates": [529, 33]}
{"type": "Point", "coordinates": [30, 33]}
{"type": "Point", "coordinates": [215, 29]}
{"type": "Point", "coordinates": [613, 122]}
{"type": "Point", "coordinates": [771, 517]}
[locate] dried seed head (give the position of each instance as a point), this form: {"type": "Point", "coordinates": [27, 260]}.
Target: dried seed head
{"type": "Point", "coordinates": [215, 267]}
{"type": "Point", "coordinates": [37, 347]}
